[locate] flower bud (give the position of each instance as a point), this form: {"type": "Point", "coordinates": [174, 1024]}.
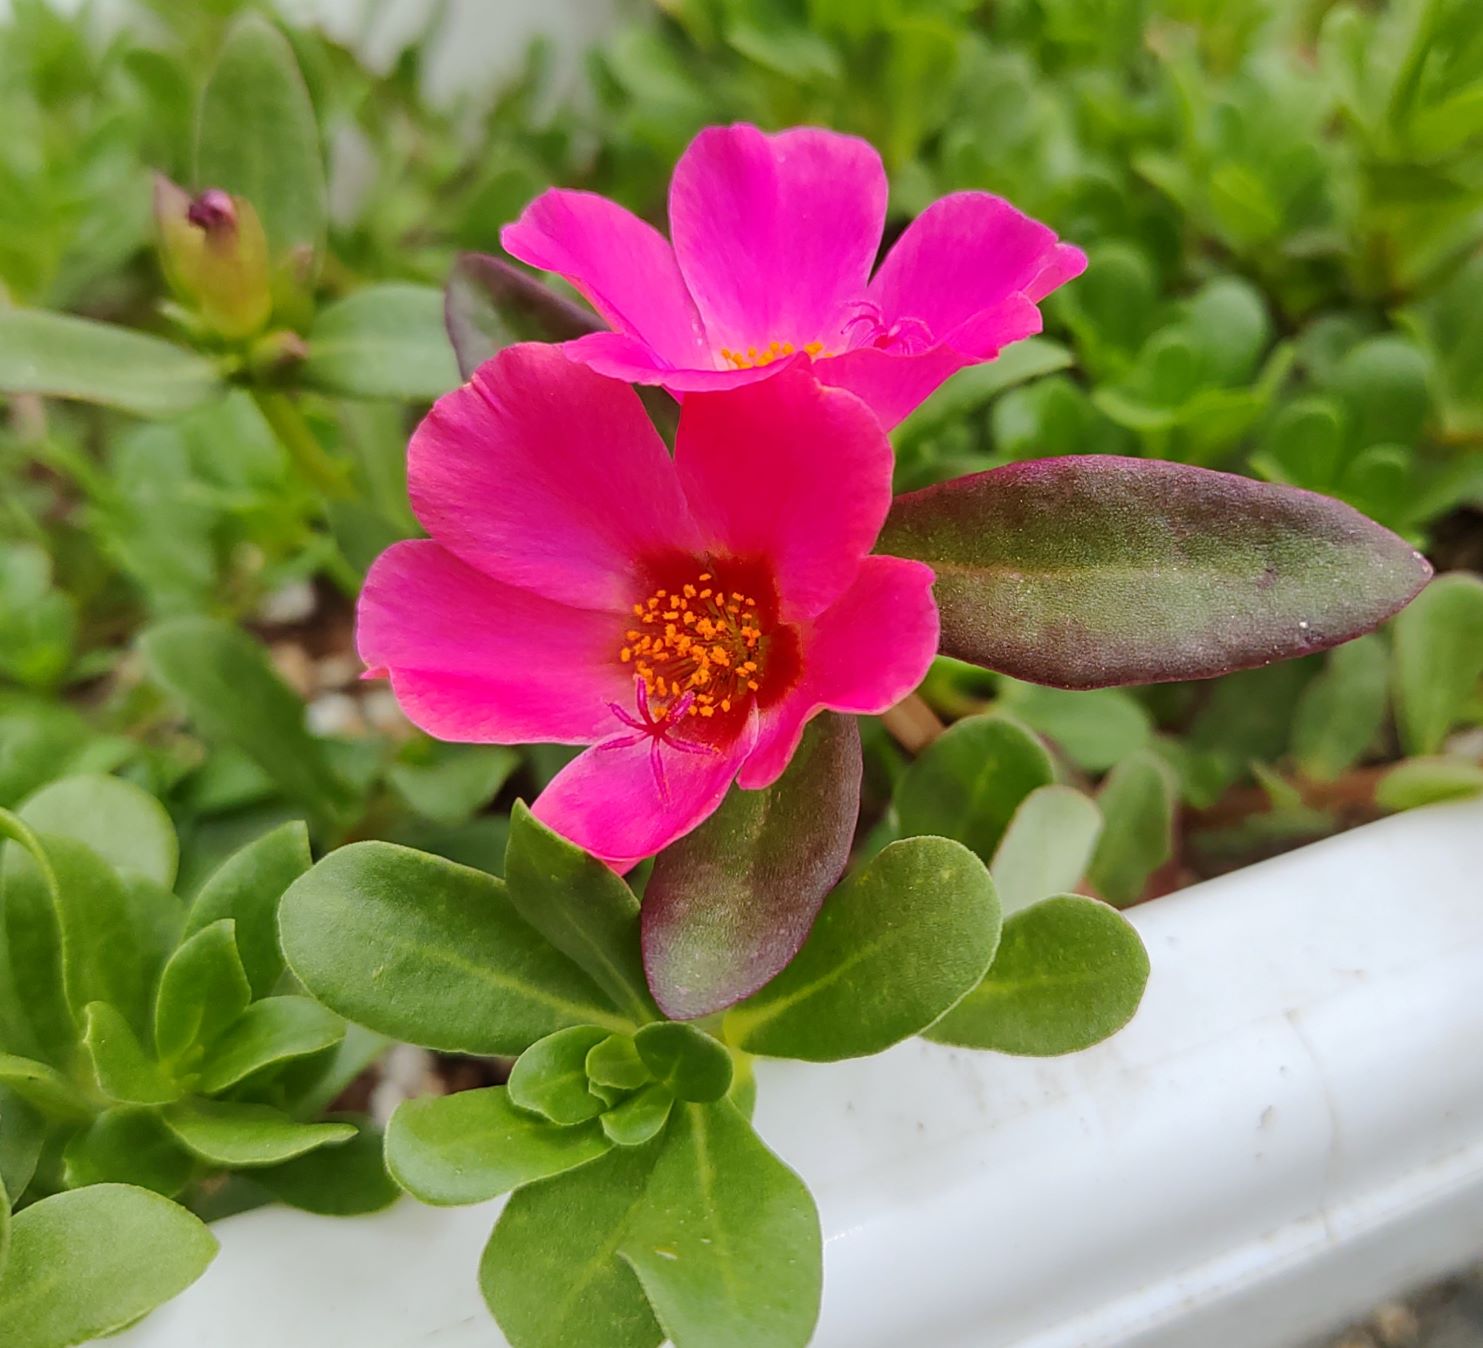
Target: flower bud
{"type": "Point", "coordinates": [215, 256]}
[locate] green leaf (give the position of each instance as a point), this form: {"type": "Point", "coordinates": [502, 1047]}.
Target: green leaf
{"type": "Point", "coordinates": [88, 1263]}
{"type": "Point", "coordinates": [691, 1064]}
{"type": "Point", "coordinates": [1438, 659]}
{"type": "Point", "coordinates": [73, 940]}
{"type": "Point", "coordinates": [1046, 848]}
{"type": "Point", "coordinates": [1447, 323]}
{"type": "Point", "coordinates": [581, 907]}
{"type": "Point", "coordinates": [1425, 781]}
{"type": "Point", "coordinates": [1093, 727]}
{"type": "Point", "coordinates": [729, 904]}
{"type": "Point", "coordinates": [1087, 571]}
{"type": "Point", "coordinates": [24, 1132]}
{"type": "Point", "coordinates": [342, 1181]}
{"type": "Point", "coordinates": [271, 1031]}
{"type": "Point", "coordinates": [1342, 712]}
{"type": "Point", "coordinates": [234, 697]}
{"type": "Point", "coordinates": [459, 780]}
{"type": "Point", "coordinates": [257, 138]}
{"type": "Point", "coordinates": [247, 888]}
{"type": "Point", "coordinates": [475, 1145]}
{"type": "Point", "coordinates": [421, 949]}
{"type": "Point", "coordinates": [126, 826]}
{"type": "Point", "coordinates": [896, 945]}
{"type": "Point", "coordinates": [551, 1076]}
{"type": "Point", "coordinates": [633, 1121]}
{"type": "Point", "coordinates": [615, 1062]}
{"type": "Point", "coordinates": [63, 357]}
{"type": "Point", "coordinates": [202, 990]}
{"type": "Point", "coordinates": [125, 1072]}
{"type": "Point", "coordinates": [490, 305]}
{"type": "Point", "coordinates": [726, 1240]}
{"type": "Point", "coordinates": [128, 1146]}
{"type": "Point", "coordinates": [967, 784]}
{"type": "Point", "coordinates": [241, 1135]}
{"type": "Point", "coordinates": [44, 1087]}
{"type": "Point", "coordinates": [1069, 973]}
{"type": "Point", "coordinates": [1384, 381]}
{"type": "Point", "coordinates": [551, 1274]}
{"type": "Point", "coordinates": [386, 341]}
{"type": "Point", "coordinates": [1137, 804]}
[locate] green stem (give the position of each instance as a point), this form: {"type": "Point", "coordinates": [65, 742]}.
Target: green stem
{"type": "Point", "coordinates": [303, 446]}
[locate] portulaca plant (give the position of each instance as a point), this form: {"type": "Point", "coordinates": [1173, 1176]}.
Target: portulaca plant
{"type": "Point", "coordinates": [664, 534]}
{"type": "Point", "coordinates": [705, 624]}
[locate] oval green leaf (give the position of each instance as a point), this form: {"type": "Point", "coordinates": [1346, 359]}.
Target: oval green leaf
{"type": "Point", "coordinates": [246, 887]}
{"type": "Point", "coordinates": [726, 1238]}
{"type": "Point", "coordinates": [125, 825]}
{"type": "Point", "coordinates": [240, 1135]}
{"type": "Point", "coordinates": [580, 906]}
{"type": "Point", "coordinates": [550, 1077]}
{"type": "Point", "coordinates": [271, 1031]}
{"type": "Point", "coordinates": [1438, 659]}
{"type": "Point", "coordinates": [424, 950]}
{"type": "Point", "coordinates": [386, 341]}
{"type": "Point", "coordinates": [896, 945]}
{"type": "Point", "coordinates": [633, 1121]}
{"type": "Point", "coordinates": [87, 1263]}
{"type": "Point", "coordinates": [124, 1071]}
{"type": "Point", "coordinates": [475, 1145]}
{"type": "Point", "coordinates": [1137, 801]}
{"type": "Point", "coordinates": [1069, 973]}
{"type": "Point", "coordinates": [551, 1274]}
{"type": "Point", "coordinates": [257, 137]}
{"type": "Point", "coordinates": [1046, 848]}
{"type": "Point", "coordinates": [59, 356]}
{"type": "Point", "coordinates": [203, 989]}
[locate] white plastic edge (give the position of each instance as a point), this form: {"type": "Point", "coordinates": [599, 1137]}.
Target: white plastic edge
{"type": "Point", "coordinates": [1290, 1130]}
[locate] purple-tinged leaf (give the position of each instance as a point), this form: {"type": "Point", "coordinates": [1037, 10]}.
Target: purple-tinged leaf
{"type": "Point", "coordinates": [489, 305]}
{"type": "Point", "coordinates": [1090, 571]}
{"type": "Point", "coordinates": [728, 905]}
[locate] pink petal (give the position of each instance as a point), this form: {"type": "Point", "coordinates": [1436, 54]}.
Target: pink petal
{"type": "Point", "coordinates": [607, 800]}
{"type": "Point", "coordinates": [476, 660]}
{"type": "Point", "coordinates": [791, 473]}
{"type": "Point", "coordinates": [967, 253]}
{"type": "Point", "coordinates": [895, 382]}
{"type": "Point", "coordinates": [775, 235]}
{"type": "Point", "coordinates": [862, 655]}
{"type": "Point", "coordinates": [544, 475]}
{"type": "Point", "coordinates": [624, 267]}
{"type": "Point", "coordinates": [626, 358]}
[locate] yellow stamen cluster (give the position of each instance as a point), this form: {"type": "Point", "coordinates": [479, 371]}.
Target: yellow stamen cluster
{"type": "Point", "coordinates": [746, 360]}
{"type": "Point", "coordinates": [697, 639]}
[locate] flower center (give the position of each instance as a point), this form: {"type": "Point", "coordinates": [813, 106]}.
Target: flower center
{"type": "Point", "coordinates": [699, 639]}
{"type": "Point", "coordinates": [752, 357]}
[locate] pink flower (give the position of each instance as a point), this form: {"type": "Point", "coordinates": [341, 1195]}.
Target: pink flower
{"type": "Point", "coordinates": [774, 240]}
{"type": "Point", "coordinates": [683, 616]}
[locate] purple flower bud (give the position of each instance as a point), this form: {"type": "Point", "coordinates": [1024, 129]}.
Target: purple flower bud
{"type": "Point", "coordinates": [215, 256]}
{"type": "Point", "coordinates": [212, 211]}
